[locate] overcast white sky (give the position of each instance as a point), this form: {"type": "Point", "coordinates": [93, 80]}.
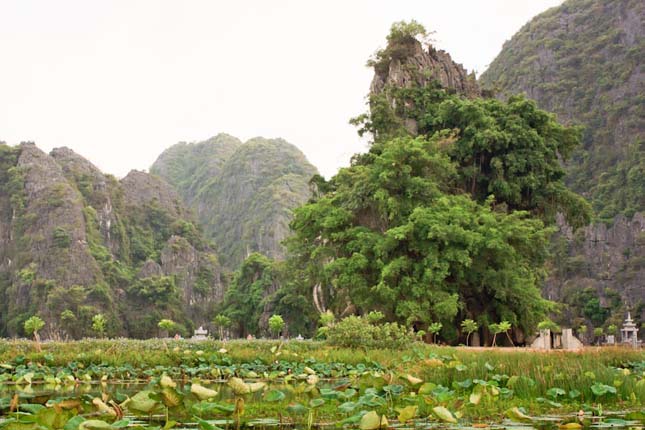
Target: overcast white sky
{"type": "Point", "coordinates": [119, 81]}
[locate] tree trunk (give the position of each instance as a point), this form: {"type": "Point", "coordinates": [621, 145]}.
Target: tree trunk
{"type": "Point", "coordinates": [37, 339]}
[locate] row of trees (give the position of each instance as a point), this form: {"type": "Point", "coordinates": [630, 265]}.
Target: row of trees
{"type": "Point", "coordinates": [34, 324]}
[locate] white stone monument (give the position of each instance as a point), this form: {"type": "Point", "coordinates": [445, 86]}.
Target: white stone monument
{"type": "Point", "coordinates": [543, 341]}
{"type": "Point", "coordinates": [200, 334]}
{"type": "Point", "coordinates": [629, 332]}
{"type": "Point", "coordinates": [569, 341]}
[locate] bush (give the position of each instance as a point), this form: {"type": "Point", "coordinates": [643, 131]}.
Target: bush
{"type": "Point", "coordinates": [358, 332]}
{"type": "Point", "coordinates": [62, 238]}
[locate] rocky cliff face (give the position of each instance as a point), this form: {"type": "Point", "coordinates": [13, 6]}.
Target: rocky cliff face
{"type": "Point", "coordinates": [97, 189]}
{"type": "Point", "coordinates": [402, 70]}
{"type": "Point", "coordinates": [599, 271]}
{"type": "Point", "coordinates": [189, 166]}
{"type": "Point", "coordinates": [243, 194]}
{"type": "Point", "coordinates": [406, 64]}
{"type": "Point", "coordinates": [74, 239]}
{"type": "Point", "coordinates": [141, 189]}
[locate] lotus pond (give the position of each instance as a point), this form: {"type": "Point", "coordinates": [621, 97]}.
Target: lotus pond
{"type": "Point", "coordinates": [106, 385]}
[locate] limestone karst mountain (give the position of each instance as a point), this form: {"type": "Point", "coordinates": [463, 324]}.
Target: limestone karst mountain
{"type": "Point", "coordinates": [242, 194]}
{"type": "Point", "coordinates": [75, 242]}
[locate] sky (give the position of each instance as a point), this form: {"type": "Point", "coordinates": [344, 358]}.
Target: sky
{"type": "Point", "coordinates": [119, 81]}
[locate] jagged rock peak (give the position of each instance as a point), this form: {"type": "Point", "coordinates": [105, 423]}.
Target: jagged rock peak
{"type": "Point", "coordinates": [409, 64]}
{"type": "Point", "coordinates": [71, 161]}
{"type": "Point", "coordinates": [141, 188]}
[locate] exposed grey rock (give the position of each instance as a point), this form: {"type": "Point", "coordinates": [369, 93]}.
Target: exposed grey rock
{"type": "Point", "coordinates": [141, 188]}
{"type": "Point", "coordinates": [420, 67]}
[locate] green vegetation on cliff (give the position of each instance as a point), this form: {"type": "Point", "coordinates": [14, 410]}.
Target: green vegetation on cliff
{"type": "Point", "coordinates": [77, 243]}
{"type": "Point", "coordinates": [243, 194]}
{"type": "Point", "coordinates": [446, 226]}
{"type": "Point", "coordinates": [583, 61]}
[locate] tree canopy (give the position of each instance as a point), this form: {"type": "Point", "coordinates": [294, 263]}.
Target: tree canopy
{"type": "Point", "coordinates": [444, 221]}
{"type": "Point", "coordinates": [510, 150]}
{"type": "Point", "coordinates": [396, 235]}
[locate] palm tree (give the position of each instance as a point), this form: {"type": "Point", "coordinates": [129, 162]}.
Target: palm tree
{"type": "Point", "coordinates": [469, 326]}
{"type": "Point", "coordinates": [32, 325]}
{"type": "Point", "coordinates": [435, 328]}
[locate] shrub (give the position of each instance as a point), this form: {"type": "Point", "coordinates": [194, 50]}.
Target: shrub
{"type": "Point", "coordinates": [276, 324]}
{"type": "Point", "coordinates": [358, 332]}
{"type": "Point", "coordinates": [62, 238]}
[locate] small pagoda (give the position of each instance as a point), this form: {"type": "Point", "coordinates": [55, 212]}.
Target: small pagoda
{"type": "Point", "coordinates": [200, 334]}
{"type": "Point", "coordinates": [629, 332]}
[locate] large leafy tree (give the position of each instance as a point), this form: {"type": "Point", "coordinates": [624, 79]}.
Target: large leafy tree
{"type": "Point", "coordinates": [444, 224]}
{"type": "Point", "coordinates": [262, 286]}
{"type": "Point", "coordinates": [244, 300]}
{"type": "Point", "coordinates": [510, 150]}
{"type": "Point", "coordinates": [396, 234]}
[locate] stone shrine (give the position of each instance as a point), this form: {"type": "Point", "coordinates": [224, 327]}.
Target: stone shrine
{"type": "Point", "coordinates": [629, 332]}
{"type": "Point", "coordinates": [200, 334]}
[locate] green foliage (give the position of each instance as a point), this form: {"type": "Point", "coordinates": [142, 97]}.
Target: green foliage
{"type": "Point", "coordinates": [61, 238]}
{"type": "Point", "coordinates": [160, 289]}
{"type": "Point", "coordinates": [221, 322]}
{"type": "Point", "coordinates": [510, 150]}
{"type": "Point", "coordinates": [327, 318]}
{"type": "Point", "coordinates": [276, 324]}
{"type": "Point", "coordinates": [469, 326]}
{"type": "Point", "coordinates": [621, 189]}
{"type": "Point", "coordinates": [243, 302]}
{"type": "Point", "coordinates": [358, 332]}
{"type": "Point", "coordinates": [33, 325]}
{"type": "Point", "coordinates": [547, 324]}
{"type": "Point", "coordinates": [585, 303]}
{"type": "Point", "coordinates": [434, 329]}
{"type": "Point", "coordinates": [470, 385]}
{"type": "Point", "coordinates": [98, 324]}
{"type": "Point", "coordinates": [400, 44]}
{"type": "Point", "coordinates": [498, 328]}
{"type": "Point", "coordinates": [581, 60]}
{"type": "Point", "coordinates": [166, 324]}
{"type": "Point", "coordinates": [582, 331]}
{"type": "Point", "coordinates": [392, 237]}
{"type": "Point", "coordinates": [206, 276]}
{"type": "Point", "coordinates": [374, 317]}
